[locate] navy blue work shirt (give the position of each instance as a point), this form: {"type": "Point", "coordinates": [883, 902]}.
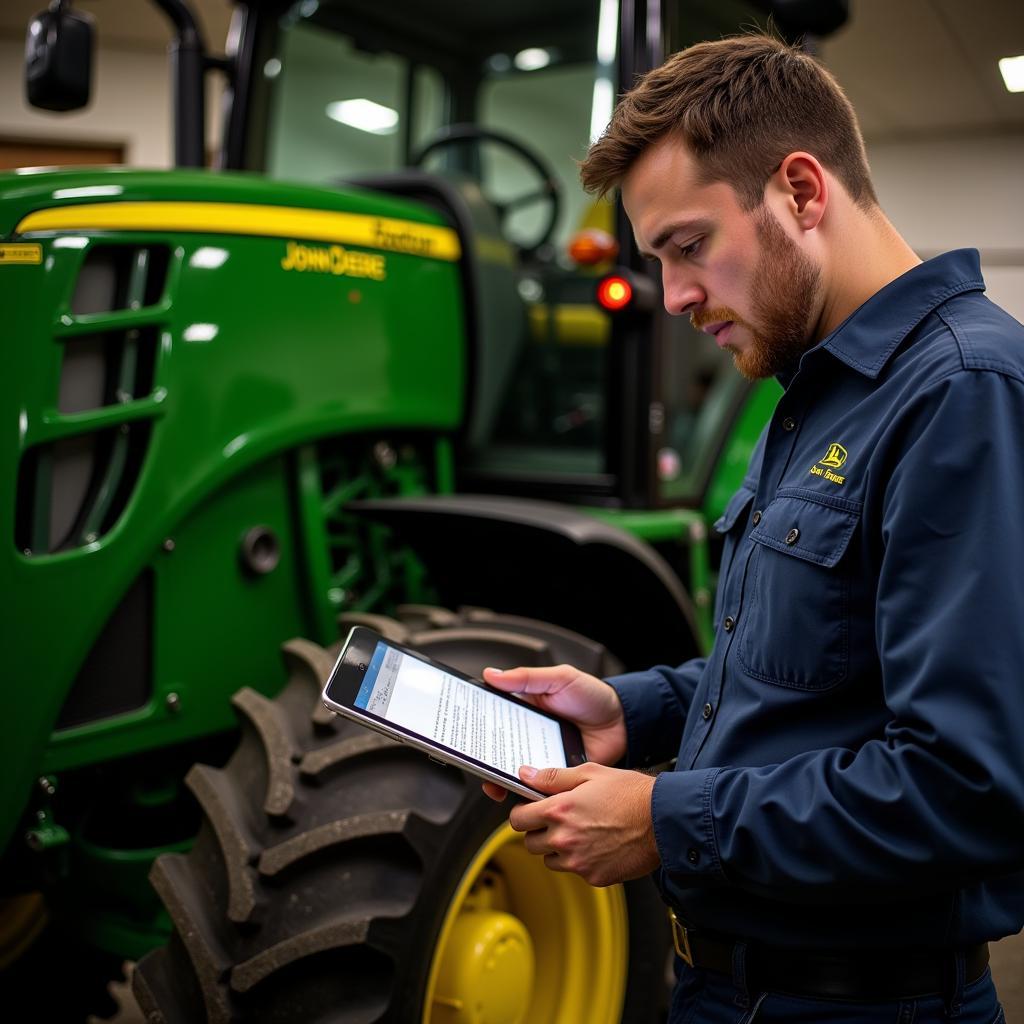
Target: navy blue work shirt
{"type": "Point", "coordinates": [850, 771]}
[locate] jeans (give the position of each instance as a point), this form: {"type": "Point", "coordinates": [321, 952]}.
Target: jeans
{"type": "Point", "coordinates": [705, 997]}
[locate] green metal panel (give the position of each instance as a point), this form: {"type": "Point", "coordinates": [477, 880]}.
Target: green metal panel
{"type": "Point", "coordinates": [732, 464]}
{"type": "Point", "coordinates": [252, 361]}
{"type": "Point", "coordinates": [222, 627]}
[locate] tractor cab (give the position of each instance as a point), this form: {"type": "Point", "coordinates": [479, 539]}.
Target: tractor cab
{"type": "Point", "coordinates": [579, 387]}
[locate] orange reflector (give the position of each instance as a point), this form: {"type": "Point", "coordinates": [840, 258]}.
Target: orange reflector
{"type": "Point", "coordinates": [614, 293]}
{"type": "Point", "coordinates": [592, 246]}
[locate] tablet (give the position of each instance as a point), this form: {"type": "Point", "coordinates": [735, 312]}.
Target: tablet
{"type": "Point", "coordinates": [448, 715]}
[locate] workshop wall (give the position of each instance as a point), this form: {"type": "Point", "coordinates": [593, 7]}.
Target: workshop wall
{"type": "Point", "coordinates": [944, 193]}
{"type": "Point", "coordinates": [131, 105]}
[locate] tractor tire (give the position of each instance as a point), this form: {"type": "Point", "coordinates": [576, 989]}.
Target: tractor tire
{"type": "Point", "coordinates": [340, 877]}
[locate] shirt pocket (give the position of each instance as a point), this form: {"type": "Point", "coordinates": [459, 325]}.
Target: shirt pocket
{"type": "Point", "coordinates": [796, 624]}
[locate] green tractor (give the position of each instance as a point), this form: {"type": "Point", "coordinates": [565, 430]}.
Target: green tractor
{"type": "Point", "coordinates": [405, 374]}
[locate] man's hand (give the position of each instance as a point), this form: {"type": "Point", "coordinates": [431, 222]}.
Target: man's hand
{"type": "Point", "coordinates": [597, 822]}
{"type": "Point", "coordinates": [584, 699]}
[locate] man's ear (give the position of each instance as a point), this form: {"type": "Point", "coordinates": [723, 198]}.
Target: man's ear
{"type": "Point", "coordinates": [802, 185]}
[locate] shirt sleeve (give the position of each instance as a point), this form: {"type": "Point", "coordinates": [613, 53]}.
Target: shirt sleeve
{"type": "Point", "coordinates": [655, 703]}
{"type": "Point", "coordinates": [936, 800]}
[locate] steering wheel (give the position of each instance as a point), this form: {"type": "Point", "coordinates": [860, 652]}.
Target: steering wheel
{"type": "Point", "coordinates": [549, 190]}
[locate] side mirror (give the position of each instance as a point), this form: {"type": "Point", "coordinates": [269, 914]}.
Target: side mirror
{"type": "Point", "coordinates": [58, 58]}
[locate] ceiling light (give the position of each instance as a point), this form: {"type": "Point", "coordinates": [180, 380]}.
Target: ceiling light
{"type": "Point", "coordinates": [1012, 70]}
{"type": "Point", "coordinates": [365, 115]}
{"type": "Point", "coordinates": [532, 59]}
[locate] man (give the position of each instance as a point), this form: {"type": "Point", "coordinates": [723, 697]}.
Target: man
{"type": "Point", "coordinates": [843, 828]}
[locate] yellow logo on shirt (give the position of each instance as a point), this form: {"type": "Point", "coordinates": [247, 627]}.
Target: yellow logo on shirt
{"type": "Point", "coordinates": [834, 458]}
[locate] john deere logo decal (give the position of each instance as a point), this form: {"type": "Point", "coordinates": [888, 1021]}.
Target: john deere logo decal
{"type": "Point", "coordinates": [834, 458]}
{"type": "Point", "coordinates": [334, 259]}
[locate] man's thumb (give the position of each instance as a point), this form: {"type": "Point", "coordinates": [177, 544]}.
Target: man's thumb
{"type": "Point", "coordinates": [549, 780]}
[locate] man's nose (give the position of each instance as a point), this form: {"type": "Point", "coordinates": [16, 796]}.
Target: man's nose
{"type": "Point", "coordinates": [681, 295]}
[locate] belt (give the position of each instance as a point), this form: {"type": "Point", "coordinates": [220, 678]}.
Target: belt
{"type": "Point", "coordinates": [857, 975]}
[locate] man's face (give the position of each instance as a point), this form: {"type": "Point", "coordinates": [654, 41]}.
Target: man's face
{"type": "Point", "coordinates": [736, 272]}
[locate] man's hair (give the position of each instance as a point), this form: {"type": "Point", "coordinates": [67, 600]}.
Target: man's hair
{"type": "Point", "coordinates": [741, 105]}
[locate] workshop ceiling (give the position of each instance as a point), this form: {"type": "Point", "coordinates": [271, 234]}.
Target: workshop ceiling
{"type": "Point", "coordinates": [929, 67]}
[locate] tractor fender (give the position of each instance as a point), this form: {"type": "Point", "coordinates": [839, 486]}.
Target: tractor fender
{"type": "Point", "coordinates": [548, 561]}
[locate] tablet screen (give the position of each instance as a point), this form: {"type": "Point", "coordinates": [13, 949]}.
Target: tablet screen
{"type": "Point", "coordinates": [426, 700]}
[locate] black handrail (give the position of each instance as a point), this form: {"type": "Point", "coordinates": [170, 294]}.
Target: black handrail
{"type": "Point", "coordinates": [188, 69]}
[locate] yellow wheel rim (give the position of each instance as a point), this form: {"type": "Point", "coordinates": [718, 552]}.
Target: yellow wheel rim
{"type": "Point", "coordinates": [521, 944]}
{"type": "Point", "coordinates": [22, 919]}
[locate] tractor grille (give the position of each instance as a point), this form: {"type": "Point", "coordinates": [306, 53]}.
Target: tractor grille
{"type": "Point", "coordinates": [73, 486]}
{"type": "Point", "coordinates": [116, 277]}
{"type": "Point", "coordinates": [72, 491]}
{"type": "Point", "coordinates": [105, 369]}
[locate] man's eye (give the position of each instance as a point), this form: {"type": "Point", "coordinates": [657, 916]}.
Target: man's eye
{"type": "Point", "coordinates": [692, 248]}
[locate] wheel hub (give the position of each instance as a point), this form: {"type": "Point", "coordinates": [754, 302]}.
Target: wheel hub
{"type": "Point", "coordinates": [486, 976]}
{"type": "Point", "coordinates": [22, 919]}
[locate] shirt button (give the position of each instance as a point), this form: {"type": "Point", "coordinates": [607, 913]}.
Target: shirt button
{"type": "Point", "coordinates": [793, 536]}
{"type": "Point", "coordinates": [757, 518]}
{"type": "Point", "coordinates": [728, 624]}
{"type": "Point", "coordinates": [707, 712]}
{"type": "Point", "coordinates": [789, 423]}
{"type": "Point", "coordinates": [692, 855]}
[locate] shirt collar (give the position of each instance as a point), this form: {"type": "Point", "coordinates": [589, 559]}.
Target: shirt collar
{"type": "Point", "coordinates": [869, 336]}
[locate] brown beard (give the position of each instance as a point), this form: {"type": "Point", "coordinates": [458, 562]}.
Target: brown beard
{"type": "Point", "coordinates": [784, 287]}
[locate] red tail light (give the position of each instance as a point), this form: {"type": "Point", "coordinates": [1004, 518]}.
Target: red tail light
{"type": "Point", "coordinates": [614, 293]}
